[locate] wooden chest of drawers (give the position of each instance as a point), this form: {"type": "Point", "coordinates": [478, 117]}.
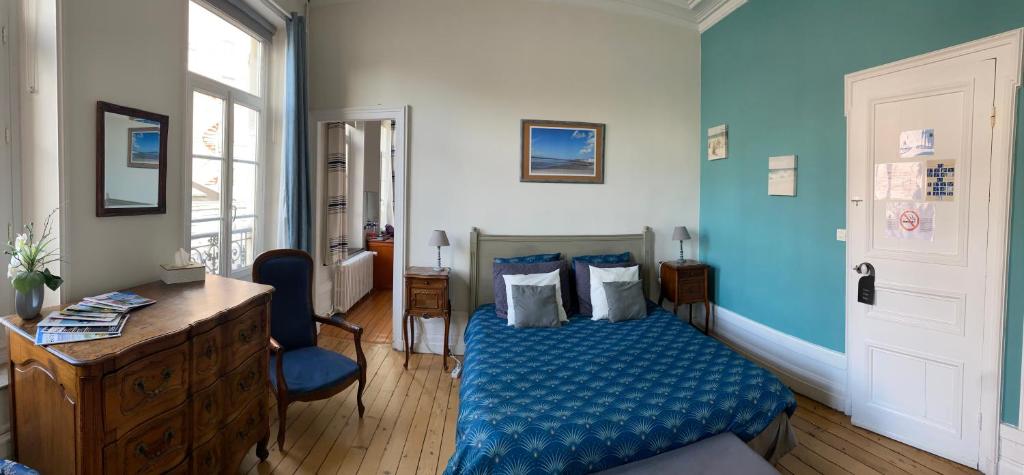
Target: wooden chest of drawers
{"type": "Point", "coordinates": [686, 282]}
{"type": "Point", "coordinates": [184, 390]}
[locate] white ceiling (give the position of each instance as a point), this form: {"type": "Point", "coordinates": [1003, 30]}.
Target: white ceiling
{"type": "Point", "coordinates": [701, 14]}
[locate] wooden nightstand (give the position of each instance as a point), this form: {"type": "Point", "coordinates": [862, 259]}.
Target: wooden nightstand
{"type": "Point", "coordinates": [426, 296]}
{"type": "Point", "coordinates": [686, 282]}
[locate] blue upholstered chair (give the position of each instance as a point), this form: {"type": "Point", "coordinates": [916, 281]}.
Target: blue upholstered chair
{"type": "Point", "coordinates": [299, 369]}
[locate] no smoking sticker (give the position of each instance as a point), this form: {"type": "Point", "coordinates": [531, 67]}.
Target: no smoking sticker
{"type": "Point", "coordinates": [908, 220]}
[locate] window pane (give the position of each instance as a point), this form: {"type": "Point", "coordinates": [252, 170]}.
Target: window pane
{"type": "Point", "coordinates": [243, 189]}
{"type": "Point", "coordinates": [206, 186]}
{"type": "Point", "coordinates": [205, 244]}
{"type": "Point", "coordinates": [207, 125]}
{"type": "Point", "coordinates": [222, 51]}
{"type": "Point", "coordinates": [247, 127]}
{"type": "Point", "coordinates": [242, 249]}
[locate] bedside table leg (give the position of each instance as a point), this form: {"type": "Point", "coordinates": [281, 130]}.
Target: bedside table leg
{"type": "Point", "coordinates": [444, 357]}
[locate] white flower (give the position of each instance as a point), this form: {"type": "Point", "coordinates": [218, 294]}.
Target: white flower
{"type": "Point", "coordinates": [14, 267]}
{"type": "Point", "coordinates": [21, 243]}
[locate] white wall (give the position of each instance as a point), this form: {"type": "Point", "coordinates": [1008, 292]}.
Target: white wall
{"type": "Point", "coordinates": [472, 69]}
{"type": "Point", "coordinates": [130, 53]}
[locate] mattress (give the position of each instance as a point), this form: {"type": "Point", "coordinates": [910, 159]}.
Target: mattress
{"type": "Point", "coordinates": [591, 395]}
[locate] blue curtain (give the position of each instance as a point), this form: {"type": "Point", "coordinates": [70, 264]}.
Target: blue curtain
{"type": "Point", "coordinates": [298, 206]}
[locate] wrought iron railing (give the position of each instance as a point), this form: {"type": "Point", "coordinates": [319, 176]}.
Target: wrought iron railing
{"type": "Point", "coordinates": [206, 249]}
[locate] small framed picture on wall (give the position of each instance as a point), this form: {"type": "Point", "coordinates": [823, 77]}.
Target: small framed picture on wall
{"type": "Point", "coordinates": [718, 142]}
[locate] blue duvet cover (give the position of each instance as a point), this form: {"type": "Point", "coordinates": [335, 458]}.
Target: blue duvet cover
{"type": "Point", "coordinates": [591, 395]}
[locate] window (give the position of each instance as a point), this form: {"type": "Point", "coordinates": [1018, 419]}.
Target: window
{"type": "Point", "coordinates": [226, 78]}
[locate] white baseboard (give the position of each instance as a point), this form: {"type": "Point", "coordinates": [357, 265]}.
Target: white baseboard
{"type": "Point", "coordinates": [1011, 450]}
{"type": "Point", "coordinates": [430, 335]}
{"type": "Point", "coordinates": [814, 371]}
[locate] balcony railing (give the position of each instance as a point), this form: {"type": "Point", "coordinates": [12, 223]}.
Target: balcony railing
{"type": "Point", "coordinates": [206, 249]}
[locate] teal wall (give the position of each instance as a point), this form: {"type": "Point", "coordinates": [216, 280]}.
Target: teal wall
{"type": "Point", "coordinates": [773, 71]}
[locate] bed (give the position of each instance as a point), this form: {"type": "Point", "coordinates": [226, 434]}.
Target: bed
{"type": "Point", "coordinates": [592, 395]}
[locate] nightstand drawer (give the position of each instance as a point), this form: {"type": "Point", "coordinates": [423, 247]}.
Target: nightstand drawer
{"type": "Point", "coordinates": [691, 290]}
{"type": "Point", "coordinates": [691, 273]}
{"type": "Point", "coordinates": [427, 283]}
{"type": "Point", "coordinates": [426, 300]}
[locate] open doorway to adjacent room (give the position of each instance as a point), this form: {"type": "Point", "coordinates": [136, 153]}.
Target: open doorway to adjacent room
{"type": "Point", "coordinates": [362, 190]}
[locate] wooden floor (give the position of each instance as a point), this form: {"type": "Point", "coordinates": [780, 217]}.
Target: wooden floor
{"type": "Point", "coordinates": [373, 313]}
{"type": "Point", "coordinates": [409, 427]}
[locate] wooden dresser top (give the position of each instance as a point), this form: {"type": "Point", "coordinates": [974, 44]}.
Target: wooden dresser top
{"type": "Point", "coordinates": [198, 306]}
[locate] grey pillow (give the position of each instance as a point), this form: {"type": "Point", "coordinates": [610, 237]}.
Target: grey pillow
{"type": "Point", "coordinates": [625, 301]}
{"type": "Point", "coordinates": [582, 273]}
{"type": "Point", "coordinates": [536, 306]}
{"type": "Point", "coordinates": [501, 270]}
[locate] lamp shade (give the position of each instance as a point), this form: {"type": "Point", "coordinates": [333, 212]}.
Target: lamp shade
{"type": "Point", "coordinates": [438, 239]}
{"type": "Point", "coordinates": [680, 234]}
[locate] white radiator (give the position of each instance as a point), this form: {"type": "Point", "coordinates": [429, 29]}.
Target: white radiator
{"type": "Point", "coordinates": [353, 279]}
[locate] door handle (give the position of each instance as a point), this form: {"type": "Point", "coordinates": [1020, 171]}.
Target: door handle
{"type": "Point", "coordinates": [864, 268]}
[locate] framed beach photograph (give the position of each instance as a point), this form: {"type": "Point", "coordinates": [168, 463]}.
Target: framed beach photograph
{"type": "Point", "coordinates": [144, 147]}
{"type": "Point", "coordinates": [562, 152]}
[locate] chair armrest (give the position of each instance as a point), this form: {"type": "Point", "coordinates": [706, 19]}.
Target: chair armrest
{"type": "Point", "coordinates": [337, 319]}
{"type": "Point", "coordinates": [275, 347]}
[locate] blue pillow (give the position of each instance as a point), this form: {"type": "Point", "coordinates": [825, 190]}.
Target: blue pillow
{"type": "Point", "coordinates": [555, 257]}
{"type": "Point", "coordinates": [604, 259]}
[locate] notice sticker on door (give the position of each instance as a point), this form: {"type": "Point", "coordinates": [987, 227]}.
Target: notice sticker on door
{"type": "Point", "coordinates": [905, 220]}
{"type": "Point", "coordinates": [899, 181]}
{"type": "Point", "coordinates": [941, 180]}
{"type": "Point", "coordinates": [916, 143]}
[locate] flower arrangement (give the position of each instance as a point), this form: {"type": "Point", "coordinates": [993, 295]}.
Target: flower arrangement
{"type": "Point", "coordinates": [30, 256]}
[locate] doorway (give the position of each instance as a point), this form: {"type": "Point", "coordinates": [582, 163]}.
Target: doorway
{"type": "Point", "coordinates": [928, 178]}
{"type": "Point", "coordinates": [364, 248]}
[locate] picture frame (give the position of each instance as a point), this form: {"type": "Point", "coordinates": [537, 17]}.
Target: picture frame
{"type": "Point", "coordinates": [561, 152]}
{"type": "Point", "coordinates": [144, 147]}
{"type": "Point", "coordinates": [718, 142]}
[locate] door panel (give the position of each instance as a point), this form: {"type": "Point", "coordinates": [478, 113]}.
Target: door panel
{"type": "Point", "coordinates": [915, 366]}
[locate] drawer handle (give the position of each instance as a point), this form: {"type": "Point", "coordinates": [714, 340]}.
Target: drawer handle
{"type": "Point", "coordinates": [250, 423]}
{"type": "Point", "coordinates": [140, 384]}
{"type": "Point", "coordinates": [143, 450]}
{"type": "Point", "coordinates": [209, 352]}
{"type": "Point", "coordinates": [246, 383]}
{"type": "Point", "coordinates": [208, 405]}
{"type": "Point", "coordinates": [244, 336]}
{"type": "Point", "coordinates": [208, 461]}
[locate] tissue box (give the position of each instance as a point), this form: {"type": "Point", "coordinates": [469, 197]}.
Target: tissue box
{"type": "Point", "coordinates": [178, 275]}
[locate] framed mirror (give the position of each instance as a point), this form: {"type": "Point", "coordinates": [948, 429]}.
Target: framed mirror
{"type": "Point", "coordinates": [131, 161]}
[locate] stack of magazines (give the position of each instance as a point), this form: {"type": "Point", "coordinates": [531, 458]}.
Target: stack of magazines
{"type": "Point", "coordinates": [94, 318]}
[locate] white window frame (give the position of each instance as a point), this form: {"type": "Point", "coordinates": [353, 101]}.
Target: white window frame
{"type": "Point", "coordinates": [231, 96]}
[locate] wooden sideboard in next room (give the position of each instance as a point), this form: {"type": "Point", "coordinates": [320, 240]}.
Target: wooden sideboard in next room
{"type": "Point", "coordinates": [185, 388]}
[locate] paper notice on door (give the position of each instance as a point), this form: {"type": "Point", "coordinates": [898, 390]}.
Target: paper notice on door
{"type": "Point", "coordinates": [904, 220]}
{"type": "Point", "coordinates": [941, 180]}
{"type": "Point", "coordinates": [899, 181]}
{"type": "Point", "coordinates": [916, 143]}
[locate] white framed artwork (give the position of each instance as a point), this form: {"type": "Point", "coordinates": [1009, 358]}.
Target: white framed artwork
{"type": "Point", "coordinates": [782, 175]}
{"type": "Point", "coordinates": [718, 142]}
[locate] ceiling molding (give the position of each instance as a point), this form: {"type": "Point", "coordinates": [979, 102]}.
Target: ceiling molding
{"type": "Point", "coordinates": [700, 14]}
{"type": "Point", "coordinates": [709, 12]}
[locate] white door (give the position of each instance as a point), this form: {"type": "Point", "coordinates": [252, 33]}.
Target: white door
{"type": "Point", "coordinates": [919, 158]}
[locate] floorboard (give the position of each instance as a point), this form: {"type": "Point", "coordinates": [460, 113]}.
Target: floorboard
{"type": "Point", "coordinates": [373, 313]}
{"type": "Point", "coordinates": [409, 427]}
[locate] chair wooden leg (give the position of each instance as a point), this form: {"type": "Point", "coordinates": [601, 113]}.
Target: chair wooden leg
{"type": "Point", "coordinates": [282, 424]}
{"type": "Point", "coordinates": [261, 447]}
{"type": "Point", "coordinates": [359, 395]}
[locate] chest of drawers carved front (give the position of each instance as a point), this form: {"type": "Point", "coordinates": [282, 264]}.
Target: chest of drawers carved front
{"type": "Point", "coordinates": [184, 390]}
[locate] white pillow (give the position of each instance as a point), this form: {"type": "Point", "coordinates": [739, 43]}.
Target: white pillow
{"type": "Point", "coordinates": [599, 276]}
{"type": "Point", "coordinates": [550, 278]}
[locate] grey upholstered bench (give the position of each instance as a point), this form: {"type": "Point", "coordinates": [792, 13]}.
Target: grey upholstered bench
{"type": "Point", "coordinates": [721, 454]}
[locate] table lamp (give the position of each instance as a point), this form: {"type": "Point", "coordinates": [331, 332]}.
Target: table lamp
{"type": "Point", "coordinates": [679, 234]}
{"type": "Point", "coordinates": [438, 239]}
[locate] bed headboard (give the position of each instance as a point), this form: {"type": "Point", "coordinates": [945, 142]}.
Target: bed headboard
{"type": "Point", "coordinates": [483, 248]}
